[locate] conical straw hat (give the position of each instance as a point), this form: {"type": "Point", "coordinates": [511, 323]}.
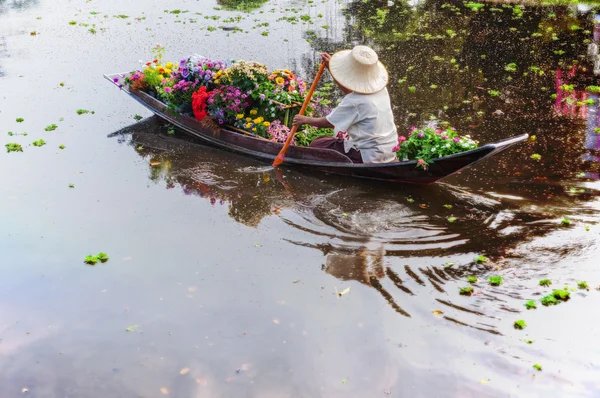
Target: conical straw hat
{"type": "Point", "coordinates": [359, 70]}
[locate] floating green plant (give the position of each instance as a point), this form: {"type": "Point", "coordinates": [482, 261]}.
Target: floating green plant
{"type": "Point", "coordinates": [20, 120]}
{"type": "Point", "coordinates": [466, 291]}
{"type": "Point", "coordinates": [39, 143]}
{"type": "Point", "coordinates": [91, 260]}
{"type": "Point", "coordinates": [480, 259]}
{"type": "Point", "coordinates": [472, 279]}
{"type": "Point", "coordinates": [13, 147]}
{"type": "Point", "coordinates": [495, 280]}
{"type": "Point", "coordinates": [102, 257]}
{"type": "Point", "coordinates": [536, 156]}
{"type": "Point", "coordinates": [549, 300]}
{"type": "Point", "coordinates": [537, 367]}
{"type": "Point", "coordinates": [528, 341]}
{"type": "Point", "coordinates": [447, 206]}
{"type": "Point", "coordinates": [520, 324]}
{"type": "Point", "coordinates": [565, 221]}
{"type": "Point", "coordinates": [512, 67]}
{"type": "Point", "coordinates": [51, 127]}
{"type": "Point", "coordinates": [530, 305]}
{"type": "Point", "coordinates": [138, 117]}
{"type": "Point", "coordinates": [71, 185]}
{"type": "Point", "coordinates": [451, 219]}
{"type": "Point", "coordinates": [545, 282]}
{"type": "Point", "coordinates": [82, 111]}
{"type": "Point", "coordinates": [582, 285]}
{"type": "Point", "coordinates": [61, 146]}
{"type": "Point", "coordinates": [561, 294]}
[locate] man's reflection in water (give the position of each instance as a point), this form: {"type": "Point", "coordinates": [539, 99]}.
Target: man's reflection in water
{"type": "Point", "coordinates": [366, 267]}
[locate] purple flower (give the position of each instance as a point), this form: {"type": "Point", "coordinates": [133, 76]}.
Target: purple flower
{"type": "Point", "coordinates": [210, 64]}
{"type": "Point", "coordinates": [421, 135]}
{"type": "Point", "coordinates": [444, 137]}
{"type": "Point", "coordinates": [182, 63]}
{"type": "Point", "coordinates": [185, 72]}
{"type": "Point", "coordinates": [220, 121]}
{"type": "Point", "coordinates": [116, 80]}
{"type": "Point", "coordinates": [262, 97]}
{"type": "Point", "coordinates": [208, 73]}
{"type": "Point", "coordinates": [206, 78]}
{"type": "Point", "coordinates": [412, 128]}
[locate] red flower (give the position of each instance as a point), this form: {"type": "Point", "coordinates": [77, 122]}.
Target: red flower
{"type": "Point", "coordinates": [155, 61]}
{"type": "Point", "coordinates": [199, 103]}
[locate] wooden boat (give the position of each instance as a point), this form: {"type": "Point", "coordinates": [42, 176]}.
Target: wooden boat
{"type": "Point", "coordinates": [324, 160]}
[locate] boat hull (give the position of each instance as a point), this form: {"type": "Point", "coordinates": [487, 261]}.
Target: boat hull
{"type": "Point", "coordinates": [324, 160]}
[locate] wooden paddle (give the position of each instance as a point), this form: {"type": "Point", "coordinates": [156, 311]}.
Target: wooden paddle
{"type": "Point", "coordinates": [279, 159]}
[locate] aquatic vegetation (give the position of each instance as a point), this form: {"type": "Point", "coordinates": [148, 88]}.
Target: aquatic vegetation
{"type": "Point", "coordinates": [549, 300]}
{"type": "Point", "coordinates": [20, 120]}
{"type": "Point", "coordinates": [561, 294]}
{"type": "Point", "coordinates": [72, 22]}
{"type": "Point", "coordinates": [474, 6]}
{"type": "Point", "coordinates": [71, 185]}
{"type": "Point", "coordinates": [495, 280]}
{"type": "Point", "coordinates": [466, 291]}
{"type": "Point", "coordinates": [61, 146]}
{"type": "Point", "coordinates": [451, 219]}
{"type": "Point", "coordinates": [494, 93]}
{"type": "Point", "coordinates": [480, 259]}
{"type": "Point", "coordinates": [447, 206]}
{"type": "Point", "coordinates": [512, 67]}
{"type": "Point", "coordinates": [138, 117]}
{"type": "Point", "coordinates": [545, 282]}
{"type": "Point", "coordinates": [82, 111]}
{"type": "Point", "coordinates": [51, 127]}
{"type": "Point", "coordinates": [90, 259]}
{"type": "Point", "coordinates": [472, 279]}
{"type": "Point", "coordinates": [530, 304]}
{"type": "Point", "coordinates": [565, 221]}
{"type": "Point", "coordinates": [13, 147]}
{"type": "Point", "coordinates": [582, 285]}
{"type": "Point", "coordinates": [537, 367]}
{"type": "Point", "coordinates": [140, 148]}
{"type": "Point", "coordinates": [39, 143]}
{"type": "Point", "coordinates": [536, 156]}
{"type": "Point", "coordinates": [528, 341]}
{"type": "Point", "coordinates": [102, 257]}
{"type": "Point", "coordinates": [520, 324]}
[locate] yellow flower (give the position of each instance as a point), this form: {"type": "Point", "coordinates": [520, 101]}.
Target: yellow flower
{"type": "Point", "coordinates": [253, 112]}
{"type": "Point", "coordinates": [248, 119]}
{"type": "Point", "coordinates": [279, 80]}
{"type": "Point", "coordinates": [168, 71]}
{"type": "Point", "coordinates": [169, 65]}
{"type": "Point", "coordinates": [240, 116]}
{"type": "Point", "coordinates": [266, 124]}
{"type": "Point", "coordinates": [217, 81]}
{"type": "Point", "coordinates": [254, 129]}
{"type": "Point", "coordinates": [258, 120]}
{"type": "Point", "coordinates": [218, 74]}
{"type": "Point", "coordinates": [287, 71]}
{"type": "Point", "coordinates": [248, 125]}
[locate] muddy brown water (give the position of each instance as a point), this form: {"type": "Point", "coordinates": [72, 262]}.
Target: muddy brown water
{"type": "Point", "coordinates": [224, 276]}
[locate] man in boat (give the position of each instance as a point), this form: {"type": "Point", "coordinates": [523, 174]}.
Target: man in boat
{"type": "Point", "coordinates": [363, 122]}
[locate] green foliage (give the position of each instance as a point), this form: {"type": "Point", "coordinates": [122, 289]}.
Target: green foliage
{"type": "Point", "coordinates": [520, 324]}
{"type": "Point", "coordinates": [495, 280]}
{"type": "Point", "coordinates": [20, 120]}
{"type": "Point", "coordinates": [545, 282]}
{"type": "Point", "coordinates": [72, 22]}
{"type": "Point", "coordinates": [536, 156]}
{"type": "Point", "coordinates": [561, 294]}
{"type": "Point", "coordinates": [138, 117]}
{"type": "Point", "coordinates": [61, 146]}
{"type": "Point", "coordinates": [549, 300]}
{"type": "Point", "coordinates": [481, 259]}
{"type": "Point", "coordinates": [593, 89]}
{"type": "Point", "coordinates": [102, 257]}
{"type": "Point", "coordinates": [474, 6]}
{"type": "Point", "coordinates": [466, 291]}
{"type": "Point", "coordinates": [91, 260]}
{"type": "Point", "coordinates": [537, 367]}
{"type": "Point", "coordinates": [494, 93]}
{"type": "Point", "coordinates": [39, 143]}
{"type": "Point", "coordinates": [309, 134]}
{"type": "Point", "coordinates": [82, 111]}
{"type": "Point", "coordinates": [528, 341]}
{"type": "Point", "coordinates": [530, 304]}
{"type": "Point", "coordinates": [582, 285]}
{"type": "Point", "coordinates": [13, 147]}
{"type": "Point", "coordinates": [512, 67]}
{"type": "Point", "coordinates": [451, 219]}
{"type": "Point", "coordinates": [71, 185]}
{"type": "Point", "coordinates": [565, 221]}
{"type": "Point", "coordinates": [51, 127]}
{"type": "Point", "coordinates": [472, 279]}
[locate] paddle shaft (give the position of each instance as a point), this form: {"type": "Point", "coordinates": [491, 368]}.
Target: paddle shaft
{"type": "Point", "coordinates": [279, 159]}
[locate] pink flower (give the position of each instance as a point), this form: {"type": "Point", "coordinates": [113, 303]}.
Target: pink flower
{"type": "Point", "coordinates": [401, 139]}
{"type": "Point", "coordinates": [420, 162]}
{"type": "Point", "coordinates": [412, 128]}
{"type": "Point", "coordinates": [456, 139]}
{"type": "Point", "coordinates": [444, 137]}
{"type": "Point", "coordinates": [438, 131]}
{"type": "Point", "coordinates": [167, 89]}
{"type": "Point", "coordinates": [396, 148]}
{"type": "Point", "coordinates": [421, 135]}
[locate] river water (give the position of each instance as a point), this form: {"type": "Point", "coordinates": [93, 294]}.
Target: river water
{"type": "Point", "coordinates": [224, 276]}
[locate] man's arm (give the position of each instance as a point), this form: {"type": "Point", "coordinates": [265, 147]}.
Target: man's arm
{"type": "Point", "coordinates": [319, 122]}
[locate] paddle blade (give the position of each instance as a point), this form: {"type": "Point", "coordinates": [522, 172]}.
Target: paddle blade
{"type": "Point", "coordinates": [279, 159]}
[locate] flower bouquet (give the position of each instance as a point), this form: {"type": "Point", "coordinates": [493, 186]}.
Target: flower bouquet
{"type": "Point", "coordinates": [430, 142]}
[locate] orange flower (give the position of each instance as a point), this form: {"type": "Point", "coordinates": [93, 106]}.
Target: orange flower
{"type": "Point", "coordinates": [155, 61]}
{"type": "Point", "coordinates": [291, 76]}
